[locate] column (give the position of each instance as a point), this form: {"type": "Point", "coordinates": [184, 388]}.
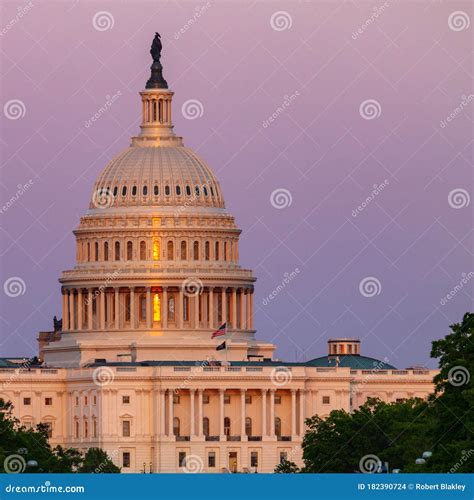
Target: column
{"type": "Point", "coordinates": [242, 414]}
{"type": "Point", "coordinates": [293, 412]}
{"type": "Point", "coordinates": [196, 311]}
{"type": "Point", "coordinates": [80, 311]}
{"type": "Point", "coordinates": [164, 308]}
{"type": "Point", "coordinates": [242, 309]}
{"type": "Point", "coordinates": [72, 325]}
{"type": "Point", "coordinates": [200, 411]}
{"type": "Point", "coordinates": [264, 412]}
{"type": "Point", "coordinates": [89, 309]}
{"type": "Point", "coordinates": [170, 412]}
{"type": "Point", "coordinates": [191, 405]}
{"type": "Point", "coordinates": [224, 305]}
{"type": "Point", "coordinates": [65, 310]}
{"type": "Point", "coordinates": [251, 311]}
{"type": "Point", "coordinates": [132, 307]}
{"type": "Point", "coordinates": [117, 309]}
{"type": "Point", "coordinates": [302, 401]}
{"type": "Point", "coordinates": [221, 413]}
{"type": "Point", "coordinates": [163, 412]}
{"type": "Point", "coordinates": [149, 312]}
{"type": "Point", "coordinates": [272, 412]}
{"type": "Point", "coordinates": [180, 310]}
{"type": "Point", "coordinates": [247, 322]}
{"type": "Point", "coordinates": [211, 308]}
{"type": "Point", "coordinates": [102, 309]}
{"type": "Point", "coordinates": [234, 308]}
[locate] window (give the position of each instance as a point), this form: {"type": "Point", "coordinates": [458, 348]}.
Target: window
{"type": "Point", "coordinates": [156, 307]}
{"type": "Point", "coordinates": [171, 308]}
{"type": "Point", "coordinates": [207, 250]}
{"type": "Point", "coordinates": [277, 400]}
{"type": "Point", "coordinates": [106, 251]}
{"type": "Point", "coordinates": [156, 190]}
{"type": "Point", "coordinates": [205, 399]}
{"type": "Point", "coordinates": [156, 250]}
{"type": "Point", "coordinates": [196, 250]}
{"type": "Point", "coordinates": [124, 191]}
{"type": "Point", "coordinates": [182, 459]}
{"type": "Point", "coordinates": [188, 190]}
{"type": "Point", "coordinates": [277, 426]}
{"type": "Point", "coordinates": [125, 400]}
{"type": "Point", "coordinates": [76, 429]}
{"type": "Point", "coordinates": [126, 459]}
{"type": "Point", "coordinates": [176, 399]}
{"type": "Point", "coordinates": [178, 190]}
{"type": "Point", "coordinates": [205, 426]}
{"type": "Point", "coordinates": [183, 250]}
{"type": "Point", "coordinates": [326, 400]}
{"type": "Point", "coordinates": [86, 400]}
{"type": "Point", "coordinates": [115, 190]}
{"type": "Point", "coordinates": [145, 190]}
{"type": "Point", "coordinates": [248, 426]}
{"type": "Point", "coordinates": [88, 251]}
{"type": "Point", "coordinates": [226, 399]}
{"type": "Point", "coordinates": [212, 191]}
{"type": "Point", "coordinates": [134, 191]}
{"type": "Point", "coordinates": [129, 250]}
{"type": "Point", "coordinates": [227, 426]}
{"type": "Point", "coordinates": [211, 459]}
{"type": "Point", "coordinates": [176, 426]}
{"type": "Point", "coordinates": [170, 250]}
{"type": "Point", "coordinates": [27, 401]}
{"type": "Point", "coordinates": [205, 190]}
{"type": "Point", "coordinates": [167, 190]}
{"type": "Point", "coordinates": [117, 251]}
{"type": "Point", "coordinates": [185, 308]}
{"type": "Point", "coordinates": [225, 251]}
{"type": "Point", "coordinates": [283, 457]}
{"type": "Point", "coordinates": [248, 399]}
{"type": "Point", "coordinates": [216, 251]}
{"type": "Point", "coordinates": [77, 401]}
{"type": "Point", "coordinates": [94, 400]}
{"type": "Point", "coordinates": [96, 251]}
{"type": "Point", "coordinates": [197, 191]}
{"type": "Point", "coordinates": [254, 459]}
{"type": "Point", "coordinates": [86, 428]}
{"type": "Point", "coordinates": [142, 309]}
{"type": "Point", "coordinates": [94, 428]}
{"type": "Point", "coordinates": [142, 250]}
{"type": "Point", "coordinates": [126, 428]}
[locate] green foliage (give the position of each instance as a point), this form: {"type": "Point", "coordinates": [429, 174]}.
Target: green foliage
{"type": "Point", "coordinates": [97, 461]}
{"type": "Point", "coordinates": [286, 467]}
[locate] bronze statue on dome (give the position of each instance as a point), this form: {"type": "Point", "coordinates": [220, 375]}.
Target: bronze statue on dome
{"type": "Point", "coordinates": [156, 80]}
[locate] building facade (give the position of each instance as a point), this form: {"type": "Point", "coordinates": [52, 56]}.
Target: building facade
{"type": "Point", "coordinates": [134, 370]}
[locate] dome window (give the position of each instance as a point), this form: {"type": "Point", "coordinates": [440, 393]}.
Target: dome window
{"type": "Point", "coordinates": [167, 190]}
{"type": "Point", "coordinates": [115, 190]}
{"type": "Point", "coordinates": [178, 190]}
{"type": "Point", "coordinates": [197, 191]}
{"type": "Point", "coordinates": [188, 190]}
{"type": "Point", "coordinates": [156, 190]}
{"type": "Point", "coordinates": [145, 190]}
{"type": "Point", "coordinates": [134, 191]}
{"type": "Point", "coordinates": [204, 189]}
{"type": "Point", "coordinates": [212, 191]}
{"type": "Point", "coordinates": [124, 191]}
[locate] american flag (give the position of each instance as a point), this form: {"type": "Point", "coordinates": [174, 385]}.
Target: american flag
{"type": "Point", "coordinates": [222, 330]}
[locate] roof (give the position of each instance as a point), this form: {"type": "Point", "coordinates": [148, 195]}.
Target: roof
{"type": "Point", "coordinates": [349, 361]}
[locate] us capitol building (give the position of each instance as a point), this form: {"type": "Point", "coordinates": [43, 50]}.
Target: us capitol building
{"type": "Point", "coordinates": [133, 369]}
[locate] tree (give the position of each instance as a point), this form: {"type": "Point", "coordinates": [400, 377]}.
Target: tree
{"type": "Point", "coordinates": [97, 461]}
{"type": "Point", "coordinates": [286, 467]}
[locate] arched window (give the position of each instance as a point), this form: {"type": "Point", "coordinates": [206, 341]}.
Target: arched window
{"type": "Point", "coordinates": [205, 426]}
{"type": "Point", "coordinates": [205, 191]}
{"type": "Point", "coordinates": [188, 190]}
{"type": "Point", "coordinates": [170, 250]}
{"type": "Point", "coordinates": [178, 190]}
{"type": "Point", "coordinates": [129, 250]}
{"type": "Point", "coordinates": [167, 190]}
{"type": "Point", "coordinates": [196, 250]}
{"type": "Point", "coordinates": [183, 250]}
{"type": "Point", "coordinates": [176, 426]}
{"type": "Point", "coordinates": [248, 426]}
{"type": "Point", "coordinates": [227, 426]}
{"type": "Point", "coordinates": [124, 191]}
{"type": "Point", "coordinates": [86, 429]}
{"type": "Point", "coordinates": [145, 190]}
{"type": "Point", "coordinates": [212, 191]}
{"type": "Point", "coordinates": [277, 426]}
{"type": "Point", "coordinates": [115, 191]}
{"type": "Point", "coordinates": [106, 251]}
{"type": "Point", "coordinates": [156, 190]}
{"type": "Point", "coordinates": [216, 253]}
{"type": "Point", "coordinates": [207, 250]}
{"type": "Point", "coordinates": [142, 250]}
{"type": "Point", "coordinates": [96, 251]}
{"type": "Point", "coordinates": [134, 191]}
{"type": "Point", "coordinates": [117, 250]}
{"type": "Point", "coordinates": [156, 250]}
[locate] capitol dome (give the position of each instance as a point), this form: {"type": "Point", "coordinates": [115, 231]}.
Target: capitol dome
{"type": "Point", "coordinates": [156, 176]}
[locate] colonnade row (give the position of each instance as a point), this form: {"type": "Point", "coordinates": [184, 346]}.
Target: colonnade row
{"type": "Point", "coordinates": [175, 307]}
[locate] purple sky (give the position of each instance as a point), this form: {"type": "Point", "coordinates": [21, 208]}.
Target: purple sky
{"type": "Point", "coordinates": [414, 60]}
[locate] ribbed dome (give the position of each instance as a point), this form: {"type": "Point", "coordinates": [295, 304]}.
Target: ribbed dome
{"type": "Point", "coordinates": [156, 176]}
